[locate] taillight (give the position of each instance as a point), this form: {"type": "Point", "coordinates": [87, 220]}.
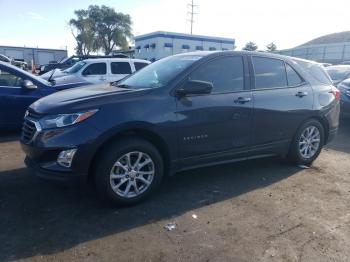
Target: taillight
{"type": "Point", "coordinates": [335, 91]}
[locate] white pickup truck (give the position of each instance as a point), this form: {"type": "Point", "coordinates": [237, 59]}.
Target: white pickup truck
{"type": "Point", "coordinates": [101, 70]}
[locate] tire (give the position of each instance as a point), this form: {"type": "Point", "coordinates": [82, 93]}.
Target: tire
{"type": "Point", "coordinates": [114, 162]}
{"type": "Point", "coordinates": [297, 153]}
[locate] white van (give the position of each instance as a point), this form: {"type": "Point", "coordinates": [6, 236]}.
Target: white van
{"type": "Point", "coordinates": [100, 70]}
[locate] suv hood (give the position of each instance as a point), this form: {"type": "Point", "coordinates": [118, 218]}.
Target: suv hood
{"type": "Point", "coordinates": [69, 79]}
{"type": "Point", "coordinates": [84, 98]}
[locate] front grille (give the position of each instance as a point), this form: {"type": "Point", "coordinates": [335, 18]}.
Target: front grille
{"type": "Point", "coordinates": [28, 131]}
{"type": "Point", "coordinates": [32, 114]}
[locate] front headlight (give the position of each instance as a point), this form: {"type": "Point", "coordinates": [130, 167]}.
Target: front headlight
{"type": "Point", "coordinates": [62, 120]}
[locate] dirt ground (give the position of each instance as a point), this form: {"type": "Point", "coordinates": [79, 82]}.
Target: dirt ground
{"type": "Point", "coordinates": [261, 210]}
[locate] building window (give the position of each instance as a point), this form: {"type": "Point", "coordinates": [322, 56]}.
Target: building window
{"type": "Point", "coordinates": [138, 49]}
{"type": "Point", "coordinates": [146, 47]}
{"type": "Point", "coordinates": [168, 47]}
{"type": "Point", "coordinates": [212, 48]}
{"type": "Point", "coordinates": [199, 48]}
{"type": "Point", "coordinates": [153, 46]}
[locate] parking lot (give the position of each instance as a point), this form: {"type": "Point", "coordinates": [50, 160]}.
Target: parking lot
{"type": "Point", "coordinates": [261, 210]}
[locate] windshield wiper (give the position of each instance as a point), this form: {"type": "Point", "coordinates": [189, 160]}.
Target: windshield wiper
{"type": "Point", "coordinates": [123, 86]}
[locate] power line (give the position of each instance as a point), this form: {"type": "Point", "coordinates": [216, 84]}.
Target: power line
{"type": "Point", "coordinates": [192, 6]}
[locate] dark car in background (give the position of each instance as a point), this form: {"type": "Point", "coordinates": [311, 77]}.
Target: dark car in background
{"type": "Point", "coordinates": [20, 64]}
{"type": "Point", "coordinates": [338, 73]}
{"type": "Point", "coordinates": [182, 112]}
{"type": "Point", "coordinates": [344, 88]}
{"type": "Point", "coordinates": [68, 62]}
{"type": "Point", "coordinates": [19, 89]}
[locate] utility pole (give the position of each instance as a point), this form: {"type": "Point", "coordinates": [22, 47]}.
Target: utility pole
{"type": "Point", "coordinates": [192, 6]}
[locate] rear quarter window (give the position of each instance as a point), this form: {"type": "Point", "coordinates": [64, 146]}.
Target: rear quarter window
{"type": "Point", "coordinates": [316, 71]}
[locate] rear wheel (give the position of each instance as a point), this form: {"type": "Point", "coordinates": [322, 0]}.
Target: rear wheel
{"type": "Point", "coordinates": [307, 143]}
{"type": "Point", "coordinates": [128, 171]}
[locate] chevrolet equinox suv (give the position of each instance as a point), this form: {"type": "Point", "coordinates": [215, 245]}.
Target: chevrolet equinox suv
{"type": "Point", "coordinates": [184, 111]}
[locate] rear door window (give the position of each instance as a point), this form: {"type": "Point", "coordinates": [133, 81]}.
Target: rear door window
{"type": "Point", "coordinates": [139, 65]}
{"type": "Point", "coordinates": [269, 73]}
{"type": "Point", "coordinates": [96, 69]}
{"type": "Point", "coordinates": [120, 68]}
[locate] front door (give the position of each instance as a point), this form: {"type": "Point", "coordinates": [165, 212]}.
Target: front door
{"type": "Point", "coordinates": [96, 73]}
{"type": "Point", "coordinates": [14, 100]}
{"type": "Point", "coordinates": [220, 121]}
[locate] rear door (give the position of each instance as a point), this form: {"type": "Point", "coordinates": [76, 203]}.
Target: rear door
{"type": "Point", "coordinates": [119, 70]}
{"type": "Point", "coordinates": [282, 100]}
{"type": "Point", "coordinates": [221, 121]}
{"type": "Point", "coordinates": [96, 73]}
{"type": "Point", "coordinates": [14, 100]}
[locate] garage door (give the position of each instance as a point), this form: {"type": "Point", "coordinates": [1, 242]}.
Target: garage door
{"type": "Point", "coordinates": [15, 54]}
{"type": "Point", "coordinates": [45, 57]}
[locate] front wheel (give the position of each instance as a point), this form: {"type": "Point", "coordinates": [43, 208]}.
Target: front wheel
{"type": "Point", "coordinates": [307, 143]}
{"type": "Point", "coordinates": [128, 171]}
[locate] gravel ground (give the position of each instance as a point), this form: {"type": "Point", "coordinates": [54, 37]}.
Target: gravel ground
{"type": "Point", "coordinates": [261, 210]}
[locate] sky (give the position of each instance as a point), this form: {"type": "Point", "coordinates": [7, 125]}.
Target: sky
{"type": "Point", "coordinates": [287, 23]}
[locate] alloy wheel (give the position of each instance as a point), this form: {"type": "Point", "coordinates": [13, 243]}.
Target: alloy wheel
{"type": "Point", "coordinates": [132, 174]}
{"type": "Point", "coordinates": [309, 142]}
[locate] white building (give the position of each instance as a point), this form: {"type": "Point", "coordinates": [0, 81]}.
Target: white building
{"type": "Point", "coordinates": [156, 45]}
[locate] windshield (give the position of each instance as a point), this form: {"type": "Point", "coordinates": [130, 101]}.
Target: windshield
{"type": "Point", "coordinates": [160, 73]}
{"type": "Point", "coordinates": [338, 73]}
{"type": "Point", "coordinates": [63, 60]}
{"type": "Point", "coordinates": [75, 68]}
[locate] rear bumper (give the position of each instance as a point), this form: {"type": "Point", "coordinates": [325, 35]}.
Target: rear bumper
{"type": "Point", "coordinates": [332, 134]}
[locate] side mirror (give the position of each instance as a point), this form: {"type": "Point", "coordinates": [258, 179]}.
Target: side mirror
{"type": "Point", "coordinates": [27, 84]}
{"type": "Point", "coordinates": [195, 87]}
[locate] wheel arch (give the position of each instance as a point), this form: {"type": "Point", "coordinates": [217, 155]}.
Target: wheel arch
{"type": "Point", "coordinates": [325, 126]}
{"type": "Point", "coordinates": [155, 139]}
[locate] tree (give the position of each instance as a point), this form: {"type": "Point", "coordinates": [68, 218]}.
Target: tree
{"type": "Point", "coordinates": [271, 47]}
{"type": "Point", "coordinates": [82, 30]}
{"type": "Point", "coordinates": [250, 46]}
{"type": "Point", "coordinates": [101, 28]}
{"type": "Point", "coordinates": [112, 29]}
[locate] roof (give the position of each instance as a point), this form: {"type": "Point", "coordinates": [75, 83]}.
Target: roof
{"type": "Point", "coordinates": [36, 48]}
{"type": "Point", "coordinates": [117, 59]}
{"type": "Point", "coordinates": [252, 53]}
{"type": "Point", "coordinates": [184, 36]}
{"type": "Point", "coordinates": [330, 39]}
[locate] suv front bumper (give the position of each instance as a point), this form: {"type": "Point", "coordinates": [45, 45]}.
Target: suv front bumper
{"type": "Point", "coordinates": [43, 151]}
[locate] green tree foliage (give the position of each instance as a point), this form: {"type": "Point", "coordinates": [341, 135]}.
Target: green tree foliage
{"type": "Point", "coordinates": [250, 46]}
{"type": "Point", "coordinates": [271, 47]}
{"type": "Point", "coordinates": [100, 28]}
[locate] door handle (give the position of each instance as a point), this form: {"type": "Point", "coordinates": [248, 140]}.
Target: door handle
{"type": "Point", "coordinates": [242, 100]}
{"type": "Point", "coordinates": [301, 94]}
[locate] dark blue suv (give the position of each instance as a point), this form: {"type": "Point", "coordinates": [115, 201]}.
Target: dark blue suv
{"type": "Point", "coordinates": [19, 89]}
{"type": "Point", "coordinates": [182, 112]}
